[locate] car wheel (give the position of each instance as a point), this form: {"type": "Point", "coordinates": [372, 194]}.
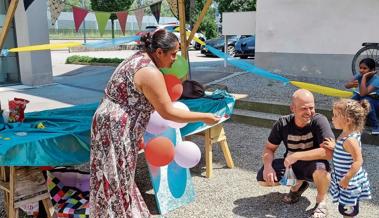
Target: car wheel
{"type": "Point", "coordinates": [231, 51]}
{"type": "Point", "coordinates": [197, 46]}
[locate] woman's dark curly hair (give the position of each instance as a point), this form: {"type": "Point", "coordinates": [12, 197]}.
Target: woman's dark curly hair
{"type": "Point", "coordinates": [160, 38]}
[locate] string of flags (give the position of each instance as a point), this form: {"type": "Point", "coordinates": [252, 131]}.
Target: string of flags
{"type": "Point", "coordinates": [79, 14]}
{"type": "Point", "coordinates": [247, 67]}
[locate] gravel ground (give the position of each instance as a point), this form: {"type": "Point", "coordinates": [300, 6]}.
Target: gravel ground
{"type": "Point", "coordinates": [264, 90]}
{"type": "Point", "coordinates": [235, 192]}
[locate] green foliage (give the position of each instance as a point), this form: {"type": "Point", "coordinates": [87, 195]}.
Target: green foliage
{"type": "Point", "coordinates": [208, 26]}
{"type": "Point", "coordinates": [77, 59]}
{"type": "Point", "coordinates": [165, 8]}
{"type": "Point", "coordinates": [78, 3]}
{"type": "Point", "coordinates": [111, 5]}
{"type": "Point", "coordinates": [236, 5]}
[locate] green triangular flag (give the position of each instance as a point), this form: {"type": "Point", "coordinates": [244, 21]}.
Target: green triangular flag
{"type": "Point", "coordinates": [102, 19]}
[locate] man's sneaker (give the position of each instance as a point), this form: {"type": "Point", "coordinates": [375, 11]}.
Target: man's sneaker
{"type": "Point", "coordinates": [375, 131]}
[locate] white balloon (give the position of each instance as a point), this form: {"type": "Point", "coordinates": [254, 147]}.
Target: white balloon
{"type": "Point", "coordinates": [187, 154]}
{"type": "Point", "coordinates": [156, 124]}
{"type": "Point", "coordinates": [181, 106]}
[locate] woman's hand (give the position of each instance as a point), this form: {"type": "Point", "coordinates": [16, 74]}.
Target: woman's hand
{"type": "Point", "coordinates": [369, 74]}
{"type": "Point", "coordinates": [211, 119]}
{"type": "Point", "coordinates": [329, 143]}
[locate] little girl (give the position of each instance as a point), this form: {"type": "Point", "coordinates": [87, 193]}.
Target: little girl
{"type": "Point", "coordinates": [349, 182]}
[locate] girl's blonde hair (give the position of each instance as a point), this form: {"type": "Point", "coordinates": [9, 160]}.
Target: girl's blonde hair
{"type": "Point", "coordinates": [354, 110]}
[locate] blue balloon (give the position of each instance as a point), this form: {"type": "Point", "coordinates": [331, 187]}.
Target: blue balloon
{"type": "Point", "coordinates": [147, 137]}
{"type": "Point", "coordinates": [177, 179]}
{"type": "Point", "coordinates": [155, 173]}
{"type": "Point", "coordinates": [170, 133]}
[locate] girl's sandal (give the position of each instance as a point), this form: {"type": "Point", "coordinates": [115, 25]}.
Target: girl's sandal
{"type": "Point", "coordinates": [293, 197]}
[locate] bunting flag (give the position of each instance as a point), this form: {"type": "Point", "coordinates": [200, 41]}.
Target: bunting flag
{"type": "Point", "coordinates": [233, 61]}
{"type": "Point", "coordinates": [122, 17]}
{"type": "Point", "coordinates": [56, 7]}
{"type": "Point", "coordinates": [174, 7]}
{"type": "Point", "coordinates": [27, 3]}
{"type": "Point", "coordinates": [139, 16]}
{"type": "Point", "coordinates": [156, 10]}
{"type": "Point", "coordinates": [102, 20]}
{"type": "Point", "coordinates": [79, 15]}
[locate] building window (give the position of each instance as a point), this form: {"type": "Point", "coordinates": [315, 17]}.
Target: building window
{"type": "Point", "coordinates": [9, 68]}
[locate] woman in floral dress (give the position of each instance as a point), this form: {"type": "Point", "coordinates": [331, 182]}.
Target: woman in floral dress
{"type": "Point", "coordinates": [134, 91]}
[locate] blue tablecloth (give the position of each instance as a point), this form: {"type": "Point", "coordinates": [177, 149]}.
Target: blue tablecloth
{"type": "Point", "coordinates": [64, 141]}
{"type": "Point", "coordinates": [66, 138]}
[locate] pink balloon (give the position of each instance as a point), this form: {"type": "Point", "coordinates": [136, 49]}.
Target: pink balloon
{"type": "Point", "coordinates": [156, 124]}
{"type": "Point", "coordinates": [187, 154]}
{"type": "Point", "coordinates": [181, 106]}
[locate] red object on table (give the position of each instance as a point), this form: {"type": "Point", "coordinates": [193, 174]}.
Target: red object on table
{"type": "Point", "coordinates": [16, 109]}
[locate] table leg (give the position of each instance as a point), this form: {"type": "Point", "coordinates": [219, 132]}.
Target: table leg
{"type": "Point", "coordinates": [49, 208]}
{"type": "Point", "coordinates": [12, 212]}
{"type": "Point", "coordinates": [3, 178]}
{"type": "Point", "coordinates": [208, 153]}
{"type": "Point", "coordinates": [227, 155]}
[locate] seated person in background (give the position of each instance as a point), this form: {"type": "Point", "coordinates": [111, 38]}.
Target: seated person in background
{"type": "Point", "coordinates": [368, 82]}
{"type": "Point", "coordinates": [302, 133]}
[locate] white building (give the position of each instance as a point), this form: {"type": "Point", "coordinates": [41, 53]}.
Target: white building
{"type": "Point", "coordinates": [315, 38]}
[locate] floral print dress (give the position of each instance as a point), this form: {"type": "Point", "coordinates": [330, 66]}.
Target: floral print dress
{"type": "Point", "coordinates": [117, 128]}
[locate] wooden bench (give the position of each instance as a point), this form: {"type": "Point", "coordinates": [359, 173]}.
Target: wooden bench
{"type": "Point", "coordinates": [23, 185]}
{"type": "Point", "coordinates": [213, 135]}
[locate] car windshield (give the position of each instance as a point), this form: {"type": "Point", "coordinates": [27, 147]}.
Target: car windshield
{"type": "Point", "coordinates": [150, 28]}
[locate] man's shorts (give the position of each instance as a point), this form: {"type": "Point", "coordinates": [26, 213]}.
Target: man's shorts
{"type": "Point", "coordinates": [303, 169]}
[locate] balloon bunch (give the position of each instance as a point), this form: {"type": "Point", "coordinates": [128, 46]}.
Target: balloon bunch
{"type": "Point", "coordinates": [159, 149]}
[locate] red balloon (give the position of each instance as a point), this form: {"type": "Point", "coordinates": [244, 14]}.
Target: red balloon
{"type": "Point", "coordinates": [174, 87]}
{"type": "Point", "coordinates": [159, 151]}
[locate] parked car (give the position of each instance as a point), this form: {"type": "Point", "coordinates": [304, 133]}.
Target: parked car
{"type": "Point", "coordinates": [219, 44]}
{"type": "Point", "coordinates": [172, 28]}
{"type": "Point", "coordinates": [245, 47]}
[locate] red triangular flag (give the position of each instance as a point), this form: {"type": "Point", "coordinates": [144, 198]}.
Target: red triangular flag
{"type": "Point", "coordinates": [79, 15]}
{"type": "Point", "coordinates": [122, 16]}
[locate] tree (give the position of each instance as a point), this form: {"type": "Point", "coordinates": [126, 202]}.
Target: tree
{"type": "Point", "coordinates": [165, 8]}
{"type": "Point", "coordinates": [236, 5]}
{"type": "Point", "coordinates": [208, 24]}
{"type": "Point", "coordinates": [78, 3]}
{"type": "Point", "coordinates": [111, 6]}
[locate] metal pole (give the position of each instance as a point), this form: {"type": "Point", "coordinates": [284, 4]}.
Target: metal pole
{"type": "Point", "coordinates": [225, 49]}
{"type": "Point", "coordinates": [84, 25]}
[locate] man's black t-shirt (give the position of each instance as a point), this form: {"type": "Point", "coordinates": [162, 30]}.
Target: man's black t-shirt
{"type": "Point", "coordinates": [300, 139]}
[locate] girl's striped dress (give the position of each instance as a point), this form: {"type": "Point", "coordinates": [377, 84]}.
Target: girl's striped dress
{"type": "Point", "coordinates": [359, 186]}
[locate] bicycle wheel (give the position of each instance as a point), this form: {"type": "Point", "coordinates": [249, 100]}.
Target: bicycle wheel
{"type": "Point", "coordinates": [369, 51]}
